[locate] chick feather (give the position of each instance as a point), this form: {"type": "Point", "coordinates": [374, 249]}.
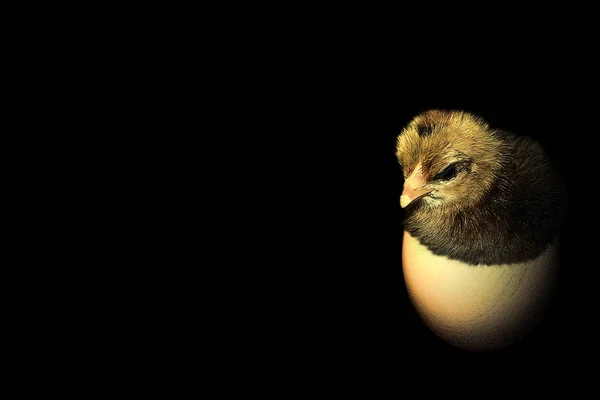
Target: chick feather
{"type": "Point", "coordinates": [490, 197]}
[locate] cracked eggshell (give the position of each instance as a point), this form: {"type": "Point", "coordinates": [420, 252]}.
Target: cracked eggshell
{"type": "Point", "coordinates": [477, 308]}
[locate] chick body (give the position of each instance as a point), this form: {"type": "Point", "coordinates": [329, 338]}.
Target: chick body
{"type": "Point", "coordinates": [482, 212]}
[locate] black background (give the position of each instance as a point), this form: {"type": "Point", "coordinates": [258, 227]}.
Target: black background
{"type": "Point", "coordinates": [341, 199]}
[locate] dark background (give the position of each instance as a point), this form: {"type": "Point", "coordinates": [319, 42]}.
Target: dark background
{"type": "Point", "coordinates": [346, 252]}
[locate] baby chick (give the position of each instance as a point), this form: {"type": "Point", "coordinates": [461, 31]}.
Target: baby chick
{"type": "Point", "coordinates": [477, 194]}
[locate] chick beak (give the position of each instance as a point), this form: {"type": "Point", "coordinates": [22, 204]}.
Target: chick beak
{"type": "Point", "coordinates": [413, 187]}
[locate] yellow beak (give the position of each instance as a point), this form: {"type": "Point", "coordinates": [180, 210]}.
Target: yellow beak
{"type": "Point", "coordinates": [413, 187]}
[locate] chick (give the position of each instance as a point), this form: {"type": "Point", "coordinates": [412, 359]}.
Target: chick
{"type": "Point", "coordinates": [482, 210]}
{"type": "Point", "coordinates": [477, 194]}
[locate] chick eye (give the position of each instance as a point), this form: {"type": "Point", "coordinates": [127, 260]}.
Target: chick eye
{"type": "Point", "coordinates": [447, 174]}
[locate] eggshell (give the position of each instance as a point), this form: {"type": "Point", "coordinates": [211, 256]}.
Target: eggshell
{"type": "Point", "coordinates": [478, 308]}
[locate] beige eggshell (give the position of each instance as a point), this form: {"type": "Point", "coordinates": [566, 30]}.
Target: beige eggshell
{"type": "Point", "coordinates": [477, 308]}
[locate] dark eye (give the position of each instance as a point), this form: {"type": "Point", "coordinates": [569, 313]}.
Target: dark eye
{"type": "Point", "coordinates": [447, 174]}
